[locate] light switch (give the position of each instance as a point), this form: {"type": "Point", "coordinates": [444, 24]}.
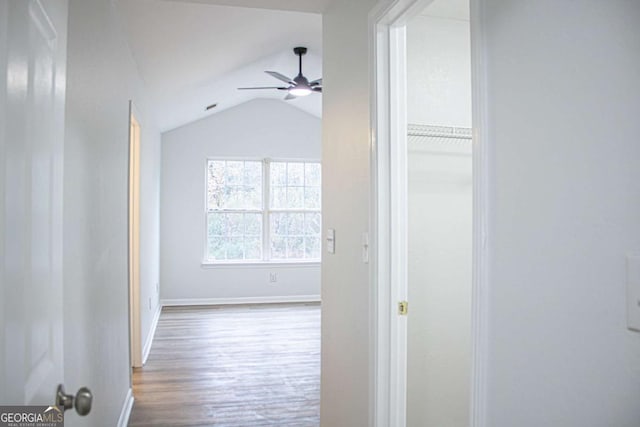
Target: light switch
{"type": "Point", "coordinates": [365, 248]}
{"type": "Point", "coordinates": [331, 241]}
{"type": "Point", "coordinates": [633, 291]}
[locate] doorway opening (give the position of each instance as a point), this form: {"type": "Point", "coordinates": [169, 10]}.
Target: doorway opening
{"type": "Point", "coordinates": [429, 215]}
{"type": "Point", "coordinates": [439, 215]}
{"type": "Point", "coordinates": [134, 240]}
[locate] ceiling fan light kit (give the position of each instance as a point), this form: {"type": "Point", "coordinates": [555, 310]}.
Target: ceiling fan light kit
{"type": "Point", "coordinates": [300, 91]}
{"type": "Point", "coordinates": [298, 86]}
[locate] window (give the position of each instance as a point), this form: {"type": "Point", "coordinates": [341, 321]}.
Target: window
{"type": "Point", "coordinates": [263, 211]}
{"type": "Point", "coordinates": [294, 216]}
{"type": "Point", "coordinates": [234, 210]}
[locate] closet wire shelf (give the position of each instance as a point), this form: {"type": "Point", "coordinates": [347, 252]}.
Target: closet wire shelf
{"type": "Point", "coordinates": [439, 140]}
{"type": "Point", "coordinates": [415, 132]}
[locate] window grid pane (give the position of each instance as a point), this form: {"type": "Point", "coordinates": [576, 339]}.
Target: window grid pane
{"type": "Point", "coordinates": [234, 236]}
{"type": "Point", "coordinates": [295, 235]}
{"type": "Point", "coordinates": [234, 185]}
{"type": "Point", "coordinates": [295, 185]}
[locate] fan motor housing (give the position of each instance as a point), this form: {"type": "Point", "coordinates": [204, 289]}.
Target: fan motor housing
{"type": "Point", "coordinates": [300, 50]}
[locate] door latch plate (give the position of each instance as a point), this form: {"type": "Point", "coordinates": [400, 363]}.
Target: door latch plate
{"type": "Point", "coordinates": [403, 308]}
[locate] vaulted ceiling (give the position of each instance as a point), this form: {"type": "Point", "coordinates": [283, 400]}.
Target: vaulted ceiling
{"type": "Point", "coordinates": [194, 53]}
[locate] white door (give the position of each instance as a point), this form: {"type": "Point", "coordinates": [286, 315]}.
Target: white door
{"type": "Point", "coordinates": [32, 92]}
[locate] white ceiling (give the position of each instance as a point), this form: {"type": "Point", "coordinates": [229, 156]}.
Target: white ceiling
{"type": "Point", "coordinates": [313, 6]}
{"type": "Point", "coordinates": [452, 9]}
{"type": "Point", "coordinates": [193, 53]}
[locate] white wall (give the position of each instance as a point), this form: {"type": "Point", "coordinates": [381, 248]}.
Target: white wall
{"type": "Point", "coordinates": [345, 399]}
{"type": "Point", "coordinates": [439, 261]}
{"type": "Point", "coordinates": [150, 162]}
{"type": "Point", "coordinates": [257, 129]}
{"type": "Point", "coordinates": [438, 71]}
{"type": "Point", "coordinates": [4, 18]}
{"type": "Point", "coordinates": [101, 79]}
{"type": "Point", "coordinates": [563, 102]}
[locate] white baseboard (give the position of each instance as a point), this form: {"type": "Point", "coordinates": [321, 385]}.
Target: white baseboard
{"type": "Point", "coordinates": [240, 300]}
{"type": "Point", "coordinates": [152, 332]}
{"type": "Point", "coordinates": [125, 413]}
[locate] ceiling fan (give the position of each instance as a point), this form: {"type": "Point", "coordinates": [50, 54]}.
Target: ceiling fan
{"type": "Point", "coordinates": [298, 86]}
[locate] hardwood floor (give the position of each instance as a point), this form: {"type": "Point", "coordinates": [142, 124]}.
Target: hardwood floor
{"type": "Point", "coordinates": [236, 366]}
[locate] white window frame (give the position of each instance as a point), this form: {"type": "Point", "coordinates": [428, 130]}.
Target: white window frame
{"type": "Point", "coordinates": [266, 212]}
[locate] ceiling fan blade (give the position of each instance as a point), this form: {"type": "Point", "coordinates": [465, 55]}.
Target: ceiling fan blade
{"type": "Point", "coordinates": [280, 77]}
{"type": "Point", "coordinates": [316, 89]}
{"type": "Point", "coordinates": [316, 82]}
{"type": "Point", "coordinates": [263, 87]}
{"type": "Point", "coordinates": [289, 97]}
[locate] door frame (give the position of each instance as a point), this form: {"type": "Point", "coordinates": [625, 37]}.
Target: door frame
{"type": "Point", "coordinates": [135, 334]}
{"type": "Point", "coordinates": [388, 269]}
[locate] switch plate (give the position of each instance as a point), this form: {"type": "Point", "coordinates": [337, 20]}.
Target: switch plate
{"type": "Point", "coordinates": [365, 248]}
{"type": "Point", "coordinates": [331, 241]}
{"type": "Point", "coordinates": [633, 291]}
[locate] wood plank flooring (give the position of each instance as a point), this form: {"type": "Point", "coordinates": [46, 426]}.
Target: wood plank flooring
{"type": "Point", "coordinates": [232, 366]}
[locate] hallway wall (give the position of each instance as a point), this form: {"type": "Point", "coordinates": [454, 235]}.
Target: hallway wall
{"type": "Point", "coordinates": [564, 186]}
{"type": "Point", "coordinates": [346, 342]}
{"type": "Point", "coordinates": [102, 78]}
{"type": "Point", "coordinates": [563, 101]}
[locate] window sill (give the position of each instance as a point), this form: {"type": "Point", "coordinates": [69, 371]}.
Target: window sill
{"type": "Point", "coordinates": [262, 264]}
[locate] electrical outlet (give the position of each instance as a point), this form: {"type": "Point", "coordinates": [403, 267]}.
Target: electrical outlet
{"type": "Point", "coordinates": [157, 287]}
{"type": "Point", "coordinates": [273, 277]}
